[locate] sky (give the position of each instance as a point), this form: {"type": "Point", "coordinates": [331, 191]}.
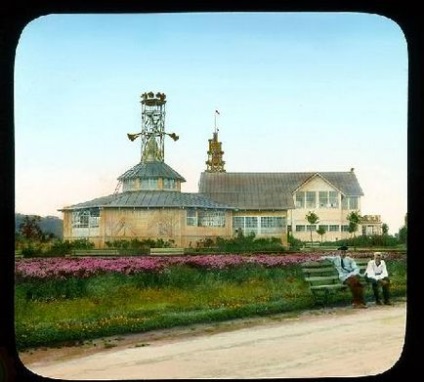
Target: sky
{"type": "Point", "coordinates": [295, 92]}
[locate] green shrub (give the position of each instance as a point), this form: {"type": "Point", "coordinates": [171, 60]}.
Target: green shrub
{"type": "Point", "coordinates": [31, 251]}
{"type": "Point", "coordinates": [80, 244]}
{"type": "Point", "coordinates": [136, 246]}
{"type": "Point", "coordinates": [59, 248]}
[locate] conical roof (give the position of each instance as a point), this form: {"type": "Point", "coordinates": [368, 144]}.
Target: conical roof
{"type": "Point", "coordinates": [153, 169]}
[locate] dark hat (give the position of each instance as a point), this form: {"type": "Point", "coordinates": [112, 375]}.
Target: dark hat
{"type": "Point", "coordinates": [342, 248]}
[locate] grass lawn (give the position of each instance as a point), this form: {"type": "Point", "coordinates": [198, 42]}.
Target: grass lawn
{"type": "Point", "coordinates": [76, 309]}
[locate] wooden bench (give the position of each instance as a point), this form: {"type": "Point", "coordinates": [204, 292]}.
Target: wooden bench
{"type": "Point", "coordinates": [323, 278]}
{"type": "Point", "coordinates": [312, 244]}
{"type": "Point", "coordinates": [167, 251]}
{"type": "Point", "coordinates": [95, 252]}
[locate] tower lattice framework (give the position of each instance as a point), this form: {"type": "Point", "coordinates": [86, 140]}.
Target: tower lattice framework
{"type": "Point", "coordinates": [153, 132]}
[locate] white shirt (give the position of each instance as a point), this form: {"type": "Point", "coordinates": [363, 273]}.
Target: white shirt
{"type": "Point", "coordinates": [376, 272]}
{"type": "Point", "coordinates": [349, 266]}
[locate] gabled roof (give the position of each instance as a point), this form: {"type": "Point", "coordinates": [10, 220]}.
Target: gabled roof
{"type": "Point", "coordinates": [346, 182]}
{"type": "Point", "coordinates": [317, 175]}
{"type": "Point", "coordinates": [245, 191]}
{"type": "Point", "coordinates": [261, 191]}
{"type": "Point", "coordinates": [151, 199]}
{"type": "Point", "coordinates": [153, 169]}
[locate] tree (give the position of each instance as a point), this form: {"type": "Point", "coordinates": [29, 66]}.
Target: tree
{"type": "Point", "coordinates": [30, 236]}
{"type": "Point", "coordinates": [402, 236]}
{"type": "Point", "coordinates": [353, 218]}
{"type": "Point", "coordinates": [321, 232]}
{"type": "Point", "coordinates": [312, 218]}
{"type": "Point", "coordinates": [384, 231]}
{"type": "Point", "coordinates": [30, 229]}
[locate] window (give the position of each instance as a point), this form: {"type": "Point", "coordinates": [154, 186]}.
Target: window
{"type": "Point", "coordinates": [86, 218]}
{"type": "Point", "coordinates": [205, 218]}
{"type": "Point", "coordinates": [311, 227]}
{"type": "Point", "coordinates": [323, 199]}
{"type": "Point", "coordinates": [324, 226]}
{"type": "Point", "coordinates": [271, 221]}
{"type": "Point", "coordinates": [94, 221]}
{"type": "Point", "coordinates": [328, 199]}
{"type": "Point", "coordinates": [80, 219]}
{"type": "Point", "coordinates": [130, 185]}
{"type": "Point", "coordinates": [191, 217]}
{"type": "Point", "coordinates": [260, 224]}
{"type": "Point", "coordinates": [209, 218]}
{"type": "Point", "coordinates": [238, 222]}
{"type": "Point", "coordinates": [353, 203]}
{"type": "Point", "coordinates": [311, 199]}
{"type": "Point", "coordinates": [169, 184]}
{"type": "Point", "coordinates": [251, 224]}
{"type": "Point", "coordinates": [350, 202]}
{"type": "Point", "coordinates": [333, 199]}
{"type": "Point", "coordinates": [272, 224]}
{"type": "Point", "coordinates": [345, 228]}
{"type": "Point", "coordinates": [149, 184]}
{"type": "Point", "coordinates": [300, 199]}
{"type": "Point", "coordinates": [300, 228]}
{"type": "Point", "coordinates": [334, 228]}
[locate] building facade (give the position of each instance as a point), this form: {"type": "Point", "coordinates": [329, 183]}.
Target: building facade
{"type": "Point", "coordinates": [275, 204]}
{"type": "Point", "coordinates": [151, 205]}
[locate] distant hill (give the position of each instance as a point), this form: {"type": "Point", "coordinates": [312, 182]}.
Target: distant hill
{"type": "Point", "coordinates": [48, 224]}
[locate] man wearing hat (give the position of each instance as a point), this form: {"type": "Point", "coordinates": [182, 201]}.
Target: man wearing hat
{"type": "Point", "coordinates": [376, 273]}
{"type": "Point", "coordinates": [349, 275]}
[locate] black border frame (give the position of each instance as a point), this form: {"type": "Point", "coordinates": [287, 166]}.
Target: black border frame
{"type": "Point", "coordinates": [15, 15]}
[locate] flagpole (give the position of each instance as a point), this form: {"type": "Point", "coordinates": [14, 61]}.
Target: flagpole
{"type": "Point", "coordinates": [216, 112]}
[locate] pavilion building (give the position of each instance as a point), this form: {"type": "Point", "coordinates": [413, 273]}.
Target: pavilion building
{"type": "Point", "coordinates": [149, 203]}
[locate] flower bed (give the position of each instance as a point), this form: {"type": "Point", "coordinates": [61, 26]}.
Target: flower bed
{"type": "Point", "coordinates": [62, 268]}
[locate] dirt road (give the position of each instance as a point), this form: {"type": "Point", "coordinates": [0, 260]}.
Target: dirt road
{"type": "Point", "coordinates": [328, 342]}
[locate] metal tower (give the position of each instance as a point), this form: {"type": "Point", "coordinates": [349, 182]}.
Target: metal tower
{"type": "Point", "coordinates": [152, 127]}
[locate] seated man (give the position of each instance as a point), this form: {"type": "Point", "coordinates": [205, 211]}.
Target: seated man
{"type": "Point", "coordinates": [349, 275]}
{"type": "Point", "coordinates": [376, 273]}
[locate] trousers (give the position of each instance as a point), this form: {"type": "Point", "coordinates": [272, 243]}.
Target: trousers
{"type": "Point", "coordinates": [357, 290]}
{"type": "Point", "coordinates": [384, 284]}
